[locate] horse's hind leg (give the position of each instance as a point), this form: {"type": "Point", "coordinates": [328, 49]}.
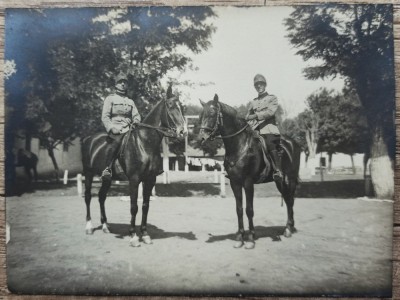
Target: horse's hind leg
{"type": "Point", "coordinates": [35, 173]}
{"type": "Point", "coordinates": [133, 190]}
{"type": "Point", "coordinates": [237, 191]}
{"type": "Point", "coordinates": [288, 195]}
{"type": "Point", "coordinates": [147, 188]}
{"type": "Point", "coordinates": [88, 198]}
{"type": "Point", "coordinates": [105, 186]}
{"type": "Point", "coordinates": [249, 190]}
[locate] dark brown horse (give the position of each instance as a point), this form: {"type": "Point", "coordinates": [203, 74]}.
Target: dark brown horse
{"type": "Point", "coordinates": [244, 163]}
{"type": "Point", "coordinates": [140, 162]}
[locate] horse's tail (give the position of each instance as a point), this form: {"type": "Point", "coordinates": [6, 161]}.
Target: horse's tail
{"type": "Point", "coordinates": [293, 151]}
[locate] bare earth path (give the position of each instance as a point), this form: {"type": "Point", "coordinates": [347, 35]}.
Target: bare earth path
{"type": "Point", "coordinates": [343, 246]}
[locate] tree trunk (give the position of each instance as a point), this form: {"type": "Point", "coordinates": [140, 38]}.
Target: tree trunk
{"type": "Point", "coordinates": [382, 173]}
{"type": "Point", "coordinates": [50, 151]}
{"type": "Point", "coordinates": [311, 143]}
{"type": "Point", "coordinates": [330, 162]}
{"type": "Point", "coordinates": [353, 167]}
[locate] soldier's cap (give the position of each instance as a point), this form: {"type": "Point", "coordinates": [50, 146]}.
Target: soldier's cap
{"type": "Point", "coordinates": [120, 77]}
{"type": "Point", "coordinates": [259, 78]}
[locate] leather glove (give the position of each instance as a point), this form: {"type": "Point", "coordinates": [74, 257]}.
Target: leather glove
{"type": "Point", "coordinates": [251, 117]}
{"type": "Point", "coordinates": [115, 130]}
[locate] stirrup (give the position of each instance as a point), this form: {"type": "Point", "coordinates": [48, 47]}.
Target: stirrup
{"type": "Point", "coordinates": [106, 174]}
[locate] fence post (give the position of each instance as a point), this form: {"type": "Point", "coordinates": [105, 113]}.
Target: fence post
{"type": "Point", "coordinates": [222, 185]}
{"type": "Point", "coordinates": [215, 176]}
{"type": "Point", "coordinates": [176, 165]}
{"type": "Point", "coordinates": [65, 176]}
{"type": "Point", "coordinates": [79, 184]}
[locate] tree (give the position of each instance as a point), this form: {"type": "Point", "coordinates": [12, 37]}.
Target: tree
{"type": "Point", "coordinates": [345, 129]}
{"type": "Point", "coordinates": [65, 93]}
{"type": "Point", "coordinates": [356, 42]}
{"type": "Point", "coordinates": [290, 128]}
{"type": "Point", "coordinates": [313, 118]}
{"type": "Point", "coordinates": [192, 110]}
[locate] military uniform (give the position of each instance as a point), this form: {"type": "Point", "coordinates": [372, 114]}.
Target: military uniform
{"type": "Point", "coordinates": [264, 107]}
{"type": "Point", "coordinates": [119, 112]}
{"type": "Point", "coordinates": [261, 117]}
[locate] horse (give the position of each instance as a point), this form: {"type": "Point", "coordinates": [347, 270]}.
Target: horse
{"type": "Point", "coordinates": [245, 162]}
{"type": "Point", "coordinates": [29, 161]}
{"type": "Point", "coordinates": [140, 162]}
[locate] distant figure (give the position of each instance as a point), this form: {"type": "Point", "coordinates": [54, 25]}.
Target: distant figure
{"type": "Point", "coordinates": [29, 161]}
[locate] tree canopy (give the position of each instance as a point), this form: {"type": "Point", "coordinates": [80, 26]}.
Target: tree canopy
{"type": "Point", "coordinates": [80, 52]}
{"type": "Point", "coordinates": [356, 42]}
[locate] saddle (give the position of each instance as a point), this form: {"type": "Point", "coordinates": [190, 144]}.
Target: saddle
{"type": "Point", "coordinates": [120, 153]}
{"type": "Point", "coordinates": [264, 174]}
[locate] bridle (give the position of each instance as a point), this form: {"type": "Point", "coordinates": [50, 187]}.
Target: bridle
{"type": "Point", "coordinates": [220, 122]}
{"type": "Point", "coordinates": [169, 131]}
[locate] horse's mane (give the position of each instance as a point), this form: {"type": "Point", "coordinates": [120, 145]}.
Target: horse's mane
{"type": "Point", "coordinates": [152, 110]}
{"type": "Point", "coordinates": [230, 111]}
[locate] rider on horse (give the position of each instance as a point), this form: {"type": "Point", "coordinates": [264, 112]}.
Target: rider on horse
{"type": "Point", "coordinates": [119, 112]}
{"type": "Point", "coordinates": [261, 117]}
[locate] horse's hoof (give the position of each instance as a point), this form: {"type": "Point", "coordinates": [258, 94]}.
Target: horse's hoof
{"type": "Point", "coordinates": [134, 242]}
{"type": "Point", "coordinates": [238, 244]}
{"type": "Point", "coordinates": [250, 245]}
{"type": "Point", "coordinates": [287, 233]}
{"type": "Point", "coordinates": [106, 228]}
{"type": "Point", "coordinates": [89, 227]}
{"type": "Point", "coordinates": [147, 240]}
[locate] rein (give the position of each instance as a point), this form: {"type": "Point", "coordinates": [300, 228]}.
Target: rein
{"type": "Point", "coordinates": [166, 131]}
{"type": "Point", "coordinates": [220, 121]}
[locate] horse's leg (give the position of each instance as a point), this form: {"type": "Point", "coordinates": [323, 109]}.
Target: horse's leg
{"type": "Point", "coordinates": [105, 186]}
{"type": "Point", "coordinates": [249, 190]}
{"type": "Point", "coordinates": [88, 198]}
{"type": "Point", "coordinates": [133, 190]}
{"type": "Point", "coordinates": [237, 191]}
{"type": "Point", "coordinates": [35, 173]}
{"type": "Point", "coordinates": [147, 188]}
{"type": "Point", "coordinates": [28, 173]}
{"type": "Point", "coordinates": [288, 191]}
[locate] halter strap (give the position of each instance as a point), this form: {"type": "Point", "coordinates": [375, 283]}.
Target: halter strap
{"type": "Point", "coordinates": [220, 121]}
{"type": "Point", "coordinates": [166, 131]}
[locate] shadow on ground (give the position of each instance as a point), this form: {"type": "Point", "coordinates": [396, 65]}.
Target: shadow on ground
{"type": "Point", "coordinates": [331, 189]}
{"type": "Point", "coordinates": [272, 232]}
{"type": "Point", "coordinates": [349, 188]}
{"type": "Point", "coordinates": [122, 230]}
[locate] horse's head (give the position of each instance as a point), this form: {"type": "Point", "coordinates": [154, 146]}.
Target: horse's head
{"type": "Point", "coordinates": [210, 119]}
{"type": "Point", "coordinates": [173, 118]}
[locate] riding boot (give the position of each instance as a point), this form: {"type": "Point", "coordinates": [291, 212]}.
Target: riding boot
{"type": "Point", "coordinates": [110, 157]}
{"type": "Point", "coordinates": [276, 161]}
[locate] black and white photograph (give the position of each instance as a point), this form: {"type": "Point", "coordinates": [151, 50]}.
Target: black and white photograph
{"type": "Point", "coordinates": [200, 150]}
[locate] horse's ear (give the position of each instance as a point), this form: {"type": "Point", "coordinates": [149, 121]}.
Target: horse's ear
{"type": "Point", "coordinates": [202, 102]}
{"type": "Point", "coordinates": [216, 98]}
{"type": "Point", "coordinates": [169, 92]}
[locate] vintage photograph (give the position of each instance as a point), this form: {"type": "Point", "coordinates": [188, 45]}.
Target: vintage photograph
{"type": "Point", "coordinates": [200, 151]}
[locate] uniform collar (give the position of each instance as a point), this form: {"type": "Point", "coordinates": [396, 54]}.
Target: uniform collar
{"type": "Point", "coordinates": [119, 93]}
{"type": "Point", "coordinates": [261, 96]}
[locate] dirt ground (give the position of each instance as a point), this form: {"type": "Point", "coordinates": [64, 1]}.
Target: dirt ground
{"type": "Point", "coordinates": [342, 247]}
